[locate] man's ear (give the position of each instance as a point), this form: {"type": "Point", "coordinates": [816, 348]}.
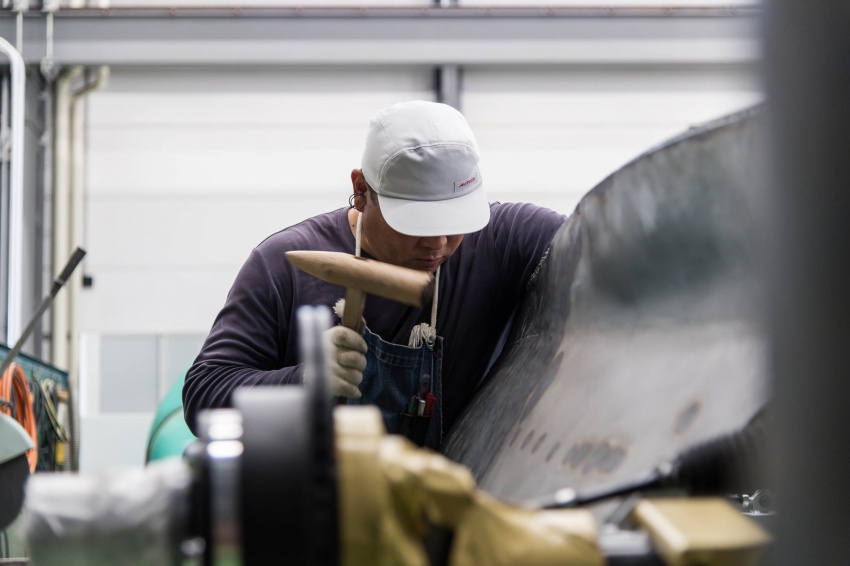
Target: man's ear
{"type": "Point", "coordinates": [358, 182]}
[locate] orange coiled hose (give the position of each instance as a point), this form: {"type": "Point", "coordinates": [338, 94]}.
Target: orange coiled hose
{"type": "Point", "coordinates": [15, 390]}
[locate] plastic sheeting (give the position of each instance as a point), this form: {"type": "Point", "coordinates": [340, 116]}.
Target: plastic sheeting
{"type": "Point", "coordinates": [124, 516]}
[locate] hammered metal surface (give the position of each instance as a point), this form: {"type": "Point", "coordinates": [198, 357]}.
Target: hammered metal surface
{"type": "Point", "coordinates": [639, 336]}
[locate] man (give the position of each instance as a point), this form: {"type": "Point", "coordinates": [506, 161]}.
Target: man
{"type": "Point", "coordinates": [420, 203]}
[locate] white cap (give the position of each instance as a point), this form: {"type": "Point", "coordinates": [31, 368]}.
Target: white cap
{"type": "Point", "coordinates": [421, 158]}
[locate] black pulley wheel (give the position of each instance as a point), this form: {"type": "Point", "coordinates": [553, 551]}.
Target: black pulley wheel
{"type": "Point", "coordinates": [288, 494]}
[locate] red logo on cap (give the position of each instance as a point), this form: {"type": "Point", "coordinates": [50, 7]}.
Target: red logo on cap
{"type": "Point", "coordinates": [465, 183]}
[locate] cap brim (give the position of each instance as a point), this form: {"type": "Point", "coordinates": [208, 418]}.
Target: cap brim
{"type": "Point", "coordinates": [461, 215]}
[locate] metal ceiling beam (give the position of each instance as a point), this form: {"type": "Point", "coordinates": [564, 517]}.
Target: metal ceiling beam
{"type": "Point", "coordinates": [428, 36]}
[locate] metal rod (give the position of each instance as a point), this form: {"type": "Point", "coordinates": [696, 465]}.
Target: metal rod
{"type": "Point", "coordinates": [568, 497]}
{"type": "Point", "coordinates": [60, 280]}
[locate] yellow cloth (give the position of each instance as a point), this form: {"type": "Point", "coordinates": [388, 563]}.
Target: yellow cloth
{"type": "Point", "coordinates": [391, 491]}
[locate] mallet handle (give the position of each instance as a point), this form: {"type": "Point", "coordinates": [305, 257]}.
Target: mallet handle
{"type": "Point", "coordinates": [352, 316]}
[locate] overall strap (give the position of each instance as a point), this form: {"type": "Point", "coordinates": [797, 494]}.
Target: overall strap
{"type": "Point", "coordinates": [420, 333]}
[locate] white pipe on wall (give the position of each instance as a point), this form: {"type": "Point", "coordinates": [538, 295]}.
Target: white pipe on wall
{"type": "Point", "coordinates": [76, 235]}
{"type": "Point", "coordinates": [5, 128]}
{"type": "Point", "coordinates": [16, 195]}
{"type": "Point", "coordinates": [69, 180]}
{"type": "Point", "coordinates": [68, 204]}
{"type": "Point", "coordinates": [61, 210]}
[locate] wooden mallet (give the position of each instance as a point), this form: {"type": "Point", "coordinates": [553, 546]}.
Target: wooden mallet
{"type": "Point", "coordinates": [362, 277]}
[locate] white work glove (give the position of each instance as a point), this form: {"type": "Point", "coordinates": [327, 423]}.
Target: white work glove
{"type": "Point", "coordinates": [346, 361]}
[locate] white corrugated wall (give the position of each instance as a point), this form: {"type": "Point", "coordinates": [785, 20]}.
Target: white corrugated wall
{"type": "Point", "coordinates": [187, 170]}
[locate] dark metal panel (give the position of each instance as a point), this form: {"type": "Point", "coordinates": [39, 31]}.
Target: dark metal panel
{"type": "Point", "coordinates": [808, 85]}
{"type": "Point", "coordinates": [448, 85]}
{"type": "Point", "coordinates": [640, 336]}
{"type": "Point", "coordinates": [33, 287]}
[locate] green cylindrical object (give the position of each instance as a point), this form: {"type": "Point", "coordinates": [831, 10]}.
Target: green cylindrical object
{"type": "Point", "coordinates": [169, 434]}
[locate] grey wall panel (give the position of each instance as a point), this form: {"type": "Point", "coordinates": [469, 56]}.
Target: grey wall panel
{"type": "Point", "coordinates": [559, 131]}
{"type": "Point", "coordinates": [128, 374]}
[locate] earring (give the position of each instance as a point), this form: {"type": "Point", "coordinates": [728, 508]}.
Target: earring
{"type": "Point", "coordinates": [351, 200]}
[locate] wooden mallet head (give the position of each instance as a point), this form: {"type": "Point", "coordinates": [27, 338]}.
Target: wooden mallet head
{"type": "Point", "coordinates": [362, 276]}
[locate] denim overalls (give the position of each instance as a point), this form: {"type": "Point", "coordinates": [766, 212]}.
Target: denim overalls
{"type": "Point", "coordinates": [393, 374]}
{"type": "Point", "coordinates": [396, 374]}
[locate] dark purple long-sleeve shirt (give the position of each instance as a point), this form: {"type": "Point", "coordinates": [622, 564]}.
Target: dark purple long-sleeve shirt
{"type": "Point", "coordinates": [254, 339]}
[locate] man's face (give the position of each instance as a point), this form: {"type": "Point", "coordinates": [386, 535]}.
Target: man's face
{"type": "Point", "coordinates": [385, 244]}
